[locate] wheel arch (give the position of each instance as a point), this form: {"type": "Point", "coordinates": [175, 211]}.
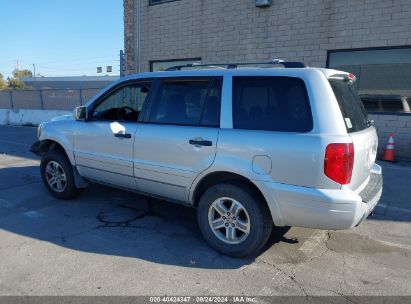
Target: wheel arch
{"type": "Point", "coordinates": [48, 144]}
{"type": "Point", "coordinates": [218, 177]}
{"type": "Point", "coordinates": [51, 144]}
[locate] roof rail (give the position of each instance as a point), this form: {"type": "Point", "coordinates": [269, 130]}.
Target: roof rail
{"type": "Point", "coordinates": [285, 64]}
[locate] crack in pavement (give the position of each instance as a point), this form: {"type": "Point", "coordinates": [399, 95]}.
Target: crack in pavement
{"type": "Point", "coordinates": [290, 276]}
{"type": "Point", "coordinates": [103, 218]}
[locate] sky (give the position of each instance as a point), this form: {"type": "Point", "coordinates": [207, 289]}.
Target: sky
{"type": "Point", "coordinates": [62, 38]}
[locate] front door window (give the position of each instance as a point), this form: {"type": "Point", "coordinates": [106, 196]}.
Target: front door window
{"type": "Point", "coordinates": [123, 104]}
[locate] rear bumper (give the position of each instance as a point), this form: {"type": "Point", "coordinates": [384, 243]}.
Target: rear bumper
{"type": "Point", "coordinates": [371, 194]}
{"type": "Point", "coordinates": [322, 208]}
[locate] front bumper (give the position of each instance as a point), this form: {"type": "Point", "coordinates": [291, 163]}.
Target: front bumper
{"type": "Point", "coordinates": [36, 147]}
{"type": "Point", "coordinates": [322, 208]}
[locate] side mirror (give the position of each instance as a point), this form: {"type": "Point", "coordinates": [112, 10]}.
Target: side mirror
{"type": "Point", "coordinates": [80, 113]}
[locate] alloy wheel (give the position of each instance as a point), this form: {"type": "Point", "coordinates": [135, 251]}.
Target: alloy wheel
{"type": "Point", "coordinates": [229, 220]}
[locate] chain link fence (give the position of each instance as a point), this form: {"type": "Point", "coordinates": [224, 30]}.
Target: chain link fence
{"type": "Point", "coordinates": [45, 99]}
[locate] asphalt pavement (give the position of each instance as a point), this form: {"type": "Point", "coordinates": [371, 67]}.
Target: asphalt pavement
{"type": "Point", "coordinates": [112, 242]}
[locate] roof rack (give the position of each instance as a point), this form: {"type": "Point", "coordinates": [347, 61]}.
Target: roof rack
{"type": "Point", "coordinates": [285, 64]}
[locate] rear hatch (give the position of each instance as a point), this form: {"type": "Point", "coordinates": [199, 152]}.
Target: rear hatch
{"type": "Point", "coordinates": [359, 128]}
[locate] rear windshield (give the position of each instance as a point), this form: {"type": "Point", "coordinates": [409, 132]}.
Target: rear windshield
{"type": "Point", "coordinates": [351, 106]}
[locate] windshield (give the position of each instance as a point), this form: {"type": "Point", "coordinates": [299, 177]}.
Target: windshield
{"type": "Point", "coordinates": [351, 106]}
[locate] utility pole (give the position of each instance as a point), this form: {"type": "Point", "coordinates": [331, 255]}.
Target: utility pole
{"type": "Point", "coordinates": [18, 69]}
{"type": "Point", "coordinates": [121, 63]}
{"type": "Point", "coordinates": [34, 70]}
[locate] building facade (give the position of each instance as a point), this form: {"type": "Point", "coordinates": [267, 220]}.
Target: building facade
{"type": "Point", "coordinates": [370, 38]}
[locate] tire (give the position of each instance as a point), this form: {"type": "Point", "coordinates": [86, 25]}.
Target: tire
{"type": "Point", "coordinates": [252, 220]}
{"type": "Point", "coordinates": [56, 164]}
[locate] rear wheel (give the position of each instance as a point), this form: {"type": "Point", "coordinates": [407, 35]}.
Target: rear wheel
{"type": "Point", "coordinates": [234, 220]}
{"type": "Point", "coordinates": [57, 175]}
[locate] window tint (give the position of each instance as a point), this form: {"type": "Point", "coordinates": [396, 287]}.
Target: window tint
{"type": "Point", "coordinates": [352, 108]}
{"type": "Point", "coordinates": [187, 102]}
{"type": "Point", "coordinates": [271, 103]}
{"type": "Point", "coordinates": [124, 103]}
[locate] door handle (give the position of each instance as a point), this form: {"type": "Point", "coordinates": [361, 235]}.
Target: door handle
{"type": "Point", "coordinates": [122, 135]}
{"type": "Point", "coordinates": [195, 142]}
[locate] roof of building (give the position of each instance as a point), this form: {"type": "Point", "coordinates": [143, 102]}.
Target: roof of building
{"type": "Point", "coordinates": [70, 78]}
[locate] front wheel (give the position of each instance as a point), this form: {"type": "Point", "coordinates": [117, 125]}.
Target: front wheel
{"type": "Point", "coordinates": [57, 175]}
{"type": "Point", "coordinates": [234, 220]}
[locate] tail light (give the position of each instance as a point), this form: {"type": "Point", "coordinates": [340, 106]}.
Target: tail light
{"type": "Point", "coordinates": [338, 162]}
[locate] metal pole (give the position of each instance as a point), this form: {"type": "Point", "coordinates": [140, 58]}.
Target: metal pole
{"type": "Point", "coordinates": [11, 99]}
{"type": "Point", "coordinates": [41, 99]}
{"type": "Point", "coordinates": [34, 70]}
{"type": "Point", "coordinates": [121, 63]}
{"type": "Point", "coordinates": [18, 70]}
{"type": "Point", "coordinates": [137, 31]}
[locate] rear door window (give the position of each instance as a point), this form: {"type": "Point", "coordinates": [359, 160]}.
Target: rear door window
{"type": "Point", "coordinates": [272, 103]}
{"type": "Point", "coordinates": [351, 106]}
{"type": "Point", "coordinates": [187, 101]}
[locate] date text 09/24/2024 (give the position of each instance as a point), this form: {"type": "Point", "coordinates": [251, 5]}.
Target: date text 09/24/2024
{"type": "Point", "coordinates": [200, 299]}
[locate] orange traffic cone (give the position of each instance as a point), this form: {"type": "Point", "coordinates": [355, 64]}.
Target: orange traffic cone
{"type": "Point", "coordinates": [389, 152]}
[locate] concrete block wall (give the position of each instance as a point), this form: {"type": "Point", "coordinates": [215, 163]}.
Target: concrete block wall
{"type": "Point", "coordinates": [220, 31]}
{"type": "Point", "coordinates": [31, 107]}
{"type": "Point", "coordinates": [29, 116]}
{"type": "Point", "coordinates": [5, 100]}
{"type": "Point", "coordinates": [27, 99]}
{"type": "Point", "coordinates": [400, 125]}
{"type": "Point", "coordinates": [50, 99]}
{"type": "Point", "coordinates": [87, 94]}
{"type": "Point", "coordinates": [61, 99]}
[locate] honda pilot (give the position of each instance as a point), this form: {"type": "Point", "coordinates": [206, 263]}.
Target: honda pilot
{"type": "Point", "coordinates": [249, 147]}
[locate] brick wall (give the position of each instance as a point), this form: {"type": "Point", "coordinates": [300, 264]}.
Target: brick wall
{"type": "Point", "coordinates": [219, 31]}
{"type": "Point", "coordinates": [400, 125]}
{"type": "Point", "coordinates": [129, 36]}
{"type": "Point", "coordinates": [303, 30]}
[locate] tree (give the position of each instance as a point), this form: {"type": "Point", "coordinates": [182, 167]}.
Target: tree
{"type": "Point", "coordinates": [16, 83]}
{"type": "Point", "coordinates": [17, 74]}
{"type": "Point", "coordinates": [3, 83]}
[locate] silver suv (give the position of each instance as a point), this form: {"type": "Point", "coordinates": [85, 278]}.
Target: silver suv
{"type": "Point", "coordinates": [248, 147]}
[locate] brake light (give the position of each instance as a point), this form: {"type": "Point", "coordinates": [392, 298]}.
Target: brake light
{"type": "Point", "coordinates": [338, 162]}
{"type": "Point", "coordinates": [351, 77]}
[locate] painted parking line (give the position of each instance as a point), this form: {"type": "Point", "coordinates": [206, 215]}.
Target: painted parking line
{"type": "Point", "coordinates": [33, 214]}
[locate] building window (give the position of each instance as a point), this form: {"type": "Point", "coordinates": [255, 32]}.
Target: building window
{"type": "Point", "coordinates": [162, 65]}
{"type": "Point", "coordinates": [383, 76]}
{"type": "Point", "coordinates": [154, 2]}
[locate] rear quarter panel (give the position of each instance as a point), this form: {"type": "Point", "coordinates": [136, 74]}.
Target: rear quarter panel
{"type": "Point", "coordinates": [295, 158]}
